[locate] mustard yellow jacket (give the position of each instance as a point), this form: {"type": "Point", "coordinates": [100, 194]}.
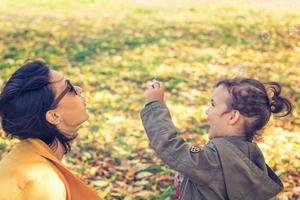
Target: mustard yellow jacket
{"type": "Point", "coordinates": [32, 172]}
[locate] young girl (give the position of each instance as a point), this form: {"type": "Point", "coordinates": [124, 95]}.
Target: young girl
{"type": "Point", "coordinates": [229, 166]}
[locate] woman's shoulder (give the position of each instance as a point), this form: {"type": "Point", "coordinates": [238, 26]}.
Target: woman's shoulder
{"type": "Point", "coordinates": [35, 180]}
{"type": "Point", "coordinates": [37, 171]}
{"type": "Point", "coordinates": [42, 181]}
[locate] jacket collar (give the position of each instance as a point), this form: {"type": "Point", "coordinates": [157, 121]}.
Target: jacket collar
{"type": "Point", "coordinates": [233, 138]}
{"type": "Point", "coordinates": [41, 148]}
{"type": "Point", "coordinates": [250, 182]}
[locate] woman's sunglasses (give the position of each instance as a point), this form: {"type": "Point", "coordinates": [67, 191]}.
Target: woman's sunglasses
{"type": "Point", "coordinates": [69, 88]}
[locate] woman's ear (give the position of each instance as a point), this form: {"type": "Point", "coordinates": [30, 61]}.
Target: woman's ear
{"type": "Point", "coordinates": [234, 117]}
{"type": "Point", "coordinates": [53, 117]}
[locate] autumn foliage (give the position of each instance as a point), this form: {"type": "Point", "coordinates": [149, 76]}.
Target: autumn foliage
{"type": "Point", "coordinates": [112, 49]}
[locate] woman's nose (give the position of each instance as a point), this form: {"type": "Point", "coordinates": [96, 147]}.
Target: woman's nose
{"type": "Point", "coordinates": [78, 90]}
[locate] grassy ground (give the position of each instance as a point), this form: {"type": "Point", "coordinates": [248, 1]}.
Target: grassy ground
{"type": "Point", "coordinates": [112, 49]}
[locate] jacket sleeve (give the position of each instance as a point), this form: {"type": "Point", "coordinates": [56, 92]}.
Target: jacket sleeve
{"type": "Point", "coordinates": [200, 165]}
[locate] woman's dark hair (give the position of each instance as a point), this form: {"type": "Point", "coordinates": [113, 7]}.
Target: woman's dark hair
{"type": "Point", "coordinates": [256, 101]}
{"type": "Point", "coordinates": [24, 101]}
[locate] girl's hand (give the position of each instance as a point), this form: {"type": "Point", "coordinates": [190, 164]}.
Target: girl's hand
{"type": "Point", "coordinates": [154, 91]}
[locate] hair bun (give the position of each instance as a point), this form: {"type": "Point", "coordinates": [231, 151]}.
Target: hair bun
{"type": "Point", "coordinates": [278, 103]}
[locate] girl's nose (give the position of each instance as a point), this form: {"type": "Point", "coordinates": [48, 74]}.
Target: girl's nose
{"type": "Point", "coordinates": [206, 111]}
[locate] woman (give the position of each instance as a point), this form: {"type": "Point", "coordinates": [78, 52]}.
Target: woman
{"type": "Point", "coordinates": [44, 110]}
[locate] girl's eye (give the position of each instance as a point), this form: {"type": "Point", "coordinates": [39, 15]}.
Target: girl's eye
{"type": "Point", "coordinates": [212, 104]}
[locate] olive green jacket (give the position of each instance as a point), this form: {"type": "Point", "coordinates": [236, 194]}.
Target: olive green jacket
{"type": "Point", "coordinates": [225, 168]}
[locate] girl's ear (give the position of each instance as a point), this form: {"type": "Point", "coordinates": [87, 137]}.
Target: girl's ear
{"type": "Point", "coordinates": [234, 117]}
{"type": "Point", "coordinates": [53, 117]}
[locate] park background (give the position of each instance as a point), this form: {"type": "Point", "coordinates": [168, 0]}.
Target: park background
{"type": "Point", "coordinates": [112, 48]}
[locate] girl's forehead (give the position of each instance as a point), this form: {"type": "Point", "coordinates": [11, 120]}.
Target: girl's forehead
{"type": "Point", "coordinates": [221, 94]}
